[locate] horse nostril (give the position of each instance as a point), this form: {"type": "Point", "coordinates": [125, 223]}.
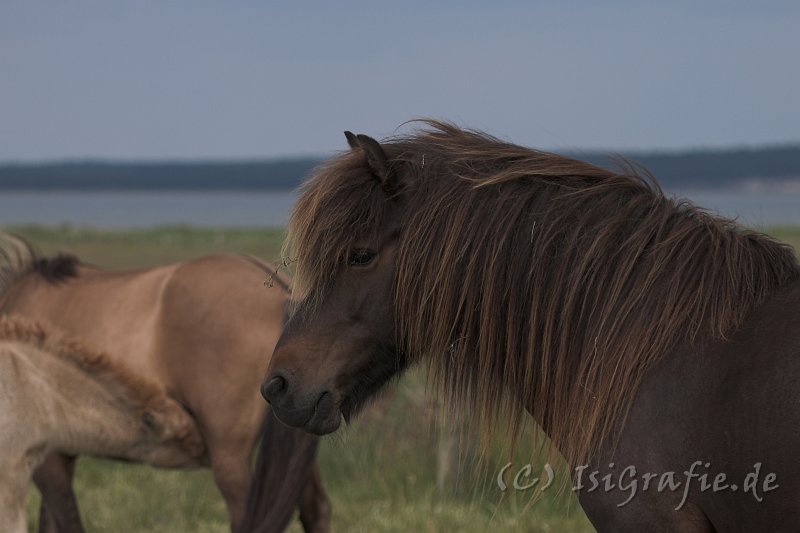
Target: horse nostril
{"type": "Point", "coordinates": [272, 389]}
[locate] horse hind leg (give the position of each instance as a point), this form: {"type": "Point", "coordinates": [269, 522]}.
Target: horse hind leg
{"type": "Point", "coordinates": [59, 509]}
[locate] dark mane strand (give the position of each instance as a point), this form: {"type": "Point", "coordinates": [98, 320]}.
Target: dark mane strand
{"type": "Point", "coordinates": [57, 268]}
{"type": "Point", "coordinates": [18, 257]}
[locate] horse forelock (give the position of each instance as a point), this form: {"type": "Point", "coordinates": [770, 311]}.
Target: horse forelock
{"type": "Point", "coordinates": [525, 271]}
{"type": "Point", "coordinates": [341, 204]}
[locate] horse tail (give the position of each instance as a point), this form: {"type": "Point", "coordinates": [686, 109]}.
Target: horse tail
{"type": "Point", "coordinates": [17, 257]}
{"type": "Point", "coordinates": [285, 458]}
{"type": "Point", "coordinates": [283, 468]}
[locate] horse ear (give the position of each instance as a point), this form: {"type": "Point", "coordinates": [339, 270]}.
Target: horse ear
{"type": "Point", "coordinates": [352, 140]}
{"type": "Point", "coordinates": [376, 158]}
{"type": "Point", "coordinates": [377, 161]}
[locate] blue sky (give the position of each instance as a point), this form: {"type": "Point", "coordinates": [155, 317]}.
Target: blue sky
{"type": "Point", "coordinates": [196, 79]}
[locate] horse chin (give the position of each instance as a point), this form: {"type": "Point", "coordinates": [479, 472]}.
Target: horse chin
{"type": "Point", "coordinates": [359, 400]}
{"type": "Point", "coordinates": [319, 423]}
{"type": "Point", "coordinates": [326, 418]}
{"type": "Point", "coordinates": [373, 383]}
{"type": "Point", "coordinates": [323, 426]}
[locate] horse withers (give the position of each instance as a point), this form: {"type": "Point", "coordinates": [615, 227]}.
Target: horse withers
{"type": "Point", "coordinates": [643, 334]}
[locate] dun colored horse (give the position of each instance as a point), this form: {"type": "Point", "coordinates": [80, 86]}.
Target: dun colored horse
{"type": "Point", "coordinates": [647, 337]}
{"type": "Point", "coordinates": [57, 395]}
{"type": "Point", "coordinates": [203, 331]}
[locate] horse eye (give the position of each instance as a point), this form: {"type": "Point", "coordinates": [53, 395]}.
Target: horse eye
{"type": "Point", "coordinates": [361, 257]}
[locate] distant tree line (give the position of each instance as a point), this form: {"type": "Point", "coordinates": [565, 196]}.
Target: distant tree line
{"type": "Point", "coordinates": [701, 168]}
{"type": "Point", "coordinates": [106, 175]}
{"type": "Point", "coordinates": [710, 168]}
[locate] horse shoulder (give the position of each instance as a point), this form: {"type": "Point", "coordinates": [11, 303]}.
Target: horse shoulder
{"type": "Point", "coordinates": [731, 396]}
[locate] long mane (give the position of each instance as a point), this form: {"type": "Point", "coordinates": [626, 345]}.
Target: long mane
{"type": "Point", "coordinates": [532, 281]}
{"type": "Point", "coordinates": [19, 257]}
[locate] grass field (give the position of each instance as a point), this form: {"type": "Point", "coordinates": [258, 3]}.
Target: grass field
{"type": "Point", "coordinates": [380, 473]}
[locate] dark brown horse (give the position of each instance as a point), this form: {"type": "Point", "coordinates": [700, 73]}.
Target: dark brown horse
{"type": "Point", "coordinates": [645, 335]}
{"type": "Point", "coordinates": [203, 331]}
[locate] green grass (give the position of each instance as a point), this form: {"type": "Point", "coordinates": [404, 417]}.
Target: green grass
{"type": "Point", "coordinates": [380, 472]}
{"type": "Point", "coordinates": [149, 247]}
{"type": "Point", "coordinates": [787, 234]}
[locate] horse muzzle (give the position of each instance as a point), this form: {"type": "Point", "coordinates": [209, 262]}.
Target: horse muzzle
{"type": "Point", "coordinates": [316, 413]}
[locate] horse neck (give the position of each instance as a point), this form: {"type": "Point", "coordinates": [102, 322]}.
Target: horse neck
{"type": "Point", "coordinates": [577, 330]}
{"type": "Point", "coordinates": [77, 410]}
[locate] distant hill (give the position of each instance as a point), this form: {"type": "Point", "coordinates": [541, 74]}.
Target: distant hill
{"type": "Point", "coordinates": [699, 169]}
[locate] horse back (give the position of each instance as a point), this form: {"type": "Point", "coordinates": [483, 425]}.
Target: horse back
{"type": "Point", "coordinates": [161, 320]}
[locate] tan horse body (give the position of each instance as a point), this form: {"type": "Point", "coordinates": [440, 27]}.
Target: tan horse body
{"type": "Point", "coordinates": [55, 395]}
{"type": "Point", "coordinates": [203, 330]}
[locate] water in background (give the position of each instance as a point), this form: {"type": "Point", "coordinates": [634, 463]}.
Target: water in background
{"type": "Point", "coordinates": [146, 209]}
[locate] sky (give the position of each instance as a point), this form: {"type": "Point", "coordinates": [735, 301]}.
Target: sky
{"type": "Point", "coordinates": [245, 79]}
